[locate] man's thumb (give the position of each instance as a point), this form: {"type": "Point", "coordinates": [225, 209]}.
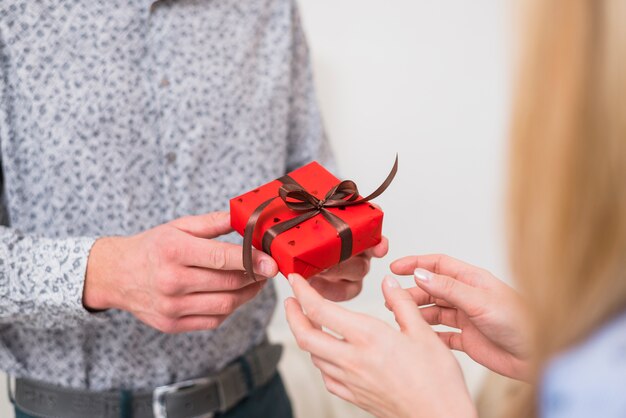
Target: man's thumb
{"type": "Point", "coordinates": [209, 225]}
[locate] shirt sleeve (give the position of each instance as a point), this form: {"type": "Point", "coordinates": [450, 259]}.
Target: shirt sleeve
{"type": "Point", "coordinates": [307, 139]}
{"type": "Point", "coordinates": [42, 280]}
{"type": "Point", "coordinates": [588, 381]}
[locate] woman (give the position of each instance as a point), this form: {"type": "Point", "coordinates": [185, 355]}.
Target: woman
{"type": "Point", "coordinates": [567, 229]}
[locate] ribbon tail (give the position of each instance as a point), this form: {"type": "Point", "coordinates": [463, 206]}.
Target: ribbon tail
{"type": "Point", "coordinates": [249, 234]}
{"type": "Point", "coordinates": [381, 189]}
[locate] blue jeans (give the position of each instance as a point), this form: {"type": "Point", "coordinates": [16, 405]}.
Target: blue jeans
{"type": "Point", "coordinates": [270, 400]}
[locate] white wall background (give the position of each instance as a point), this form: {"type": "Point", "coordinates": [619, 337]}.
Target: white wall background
{"type": "Point", "coordinates": [428, 79]}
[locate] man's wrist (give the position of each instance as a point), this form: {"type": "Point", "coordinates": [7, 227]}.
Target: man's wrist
{"type": "Point", "coordinates": [97, 294]}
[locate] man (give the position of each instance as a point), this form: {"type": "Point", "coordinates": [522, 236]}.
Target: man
{"type": "Point", "coordinates": [119, 120]}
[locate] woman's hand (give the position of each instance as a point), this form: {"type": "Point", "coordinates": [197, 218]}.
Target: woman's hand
{"type": "Point", "coordinates": [490, 315]}
{"type": "Point", "coordinates": [389, 373]}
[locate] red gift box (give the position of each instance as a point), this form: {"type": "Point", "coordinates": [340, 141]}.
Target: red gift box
{"type": "Point", "coordinates": [314, 245]}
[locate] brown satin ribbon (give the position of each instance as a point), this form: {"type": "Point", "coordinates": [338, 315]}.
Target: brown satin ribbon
{"type": "Point", "coordinates": [298, 199]}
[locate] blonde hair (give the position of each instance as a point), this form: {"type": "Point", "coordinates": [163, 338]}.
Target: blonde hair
{"type": "Point", "coordinates": [567, 205]}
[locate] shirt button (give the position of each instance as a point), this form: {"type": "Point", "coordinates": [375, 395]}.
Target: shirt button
{"type": "Point", "coordinates": [164, 82]}
{"type": "Point", "coordinates": [170, 157]}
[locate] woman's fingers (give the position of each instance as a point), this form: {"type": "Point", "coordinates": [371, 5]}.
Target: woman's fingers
{"type": "Point", "coordinates": [452, 339]}
{"type": "Point", "coordinates": [422, 298]}
{"type": "Point", "coordinates": [328, 368]}
{"type": "Point", "coordinates": [350, 325]}
{"type": "Point", "coordinates": [338, 389]}
{"type": "Point", "coordinates": [309, 337]}
{"type": "Point", "coordinates": [438, 263]}
{"type": "Point", "coordinates": [469, 299]}
{"type": "Point", "coordinates": [405, 310]}
{"type": "Point", "coordinates": [437, 315]}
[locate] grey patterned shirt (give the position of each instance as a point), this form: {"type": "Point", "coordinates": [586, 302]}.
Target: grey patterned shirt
{"type": "Point", "coordinates": [117, 116]}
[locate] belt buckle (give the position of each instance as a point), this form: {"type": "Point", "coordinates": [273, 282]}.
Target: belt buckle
{"type": "Point", "coordinates": [158, 396]}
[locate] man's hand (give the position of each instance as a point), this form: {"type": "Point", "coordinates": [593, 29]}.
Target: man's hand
{"type": "Point", "coordinates": [174, 277]}
{"type": "Point", "coordinates": [345, 280]}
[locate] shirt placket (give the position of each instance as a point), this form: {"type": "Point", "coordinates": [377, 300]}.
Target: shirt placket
{"type": "Point", "coordinates": [160, 87]}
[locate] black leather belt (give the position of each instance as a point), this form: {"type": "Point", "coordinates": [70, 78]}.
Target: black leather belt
{"type": "Point", "coordinates": [202, 397]}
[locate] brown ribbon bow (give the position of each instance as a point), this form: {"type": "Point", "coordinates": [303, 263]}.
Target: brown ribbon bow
{"type": "Point", "coordinates": [298, 199]}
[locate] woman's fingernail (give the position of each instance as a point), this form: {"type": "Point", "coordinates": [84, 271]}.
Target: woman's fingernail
{"type": "Point", "coordinates": [291, 277]}
{"type": "Point", "coordinates": [391, 282]}
{"type": "Point", "coordinates": [423, 275]}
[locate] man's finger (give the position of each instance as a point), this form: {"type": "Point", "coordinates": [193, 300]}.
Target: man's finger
{"type": "Point", "coordinates": [189, 324]}
{"type": "Point", "coordinates": [353, 269]}
{"type": "Point", "coordinates": [209, 225]}
{"type": "Point", "coordinates": [336, 291]}
{"type": "Point", "coordinates": [378, 251]}
{"type": "Point", "coordinates": [196, 280]}
{"type": "Point", "coordinates": [403, 306]}
{"type": "Point", "coordinates": [214, 303]}
{"type": "Point", "coordinates": [198, 252]}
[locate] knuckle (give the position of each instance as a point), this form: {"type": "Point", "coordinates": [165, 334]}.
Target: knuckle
{"type": "Point", "coordinates": [232, 281]}
{"type": "Point", "coordinates": [226, 305]}
{"type": "Point", "coordinates": [213, 322]}
{"type": "Point", "coordinates": [217, 257]}
{"type": "Point", "coordinates": [215, 218]}
{"type": "Point", "coordinates": [168, 284]}
{"type": "Point", "coordinates": [168, 307]}
{"type": "Point", "coordinates": [170, 251]}
{"type": "Point", "coordinates": [439, 260]}
{"type": "Point", "coordinates": [165, 243]}
{"type": "Point", "coordinates": [304, 342]}
{"type": "Point", "coordinates": [448, 286]}
{"type": "Point", "coordinates": [167, 326]}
